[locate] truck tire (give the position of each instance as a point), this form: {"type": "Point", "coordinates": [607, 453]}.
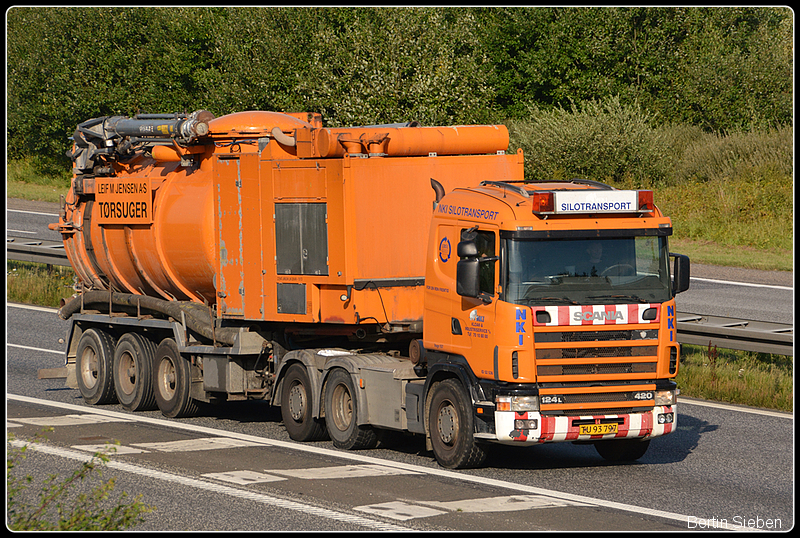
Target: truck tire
{"type": "Point", "coordinates": [622, 449]}
{"type": "Point", "coordinates": [172, 381]}
{"type": "Point", "coordinates": [94, 367]}
{"type": "Point", "coordinates": [341, 414]}
{"type": "Point", "coordinates": [296, 406]}
{"type": "Point", "coordinates": [450, 424]}
{"type": "Point", "coordinates": [133, 377]}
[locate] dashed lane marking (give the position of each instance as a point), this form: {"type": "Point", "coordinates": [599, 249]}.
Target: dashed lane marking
{"type": "Point", "coordinates": [69, 420]}
{"type": "Point", "coordinates": [405, 510]}
{"type": "Point", "coordinates": [110, 449]}
{"type": "Point", "coordinates": [399, 510]}
{"type": "Point", "coordinates": [189, 445]}
{"type": "Point", "coordinates": [217, 488]}
{"type": "Point", "coordinates": [244, 478]}
{"type": "Point", "coordinates": [341, 471]}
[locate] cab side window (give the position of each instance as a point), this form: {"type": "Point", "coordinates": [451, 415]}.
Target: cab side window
{"type": "Point", "coordinates": [486, 248]}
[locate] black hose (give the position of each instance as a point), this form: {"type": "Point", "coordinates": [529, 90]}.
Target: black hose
{"type": "Point", "coordinates": [198, 317]}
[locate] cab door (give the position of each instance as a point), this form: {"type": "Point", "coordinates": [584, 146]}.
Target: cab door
{"type": "Point", "coordinates": [473, 319]}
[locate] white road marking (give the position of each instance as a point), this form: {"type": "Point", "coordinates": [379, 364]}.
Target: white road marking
{"type": "Point", "coordinates": [215, 488]}
{"type": "Point", "coordinates": [360, 457]}
{"type": "Point", "coordinates": [110, 449]}
{"type": "Point", "coordinates": [509, 503]}
{"type": "Point", "coordinates": [682, 400]}
{"type": "Point", "coordinates": [32, 212]}
{"type": "Point", "coordinates": [405, 510]}
{"type": "Point", "coordinates": [35, 349]}
{"type": "Point", "coordinates": [32, 307]}
{"type": "Point", "coordinates": [244, 477]}
{"type": "Point", "coordinates": [748, 284]}
{"type": "Point", "coordinates": [399, 510]}
{"type": "Point", "coordinates": [70, 420]}
{"type": "Point", "coordinates": [189, 445]}
{"type": "Point", "coordinates": [341, 471]}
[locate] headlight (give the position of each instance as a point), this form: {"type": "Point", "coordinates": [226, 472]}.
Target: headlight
{"type": "Point", "coordinates": [517, 403]}
{"type": "Point", "coordinates": [666, 397]}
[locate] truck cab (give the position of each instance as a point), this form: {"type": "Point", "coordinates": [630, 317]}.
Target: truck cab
{"type": "Point", "coordinates": [554, 305]}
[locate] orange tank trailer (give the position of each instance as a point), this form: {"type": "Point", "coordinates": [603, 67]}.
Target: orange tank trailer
{"type": "Point", "coordinates": [237, 218]}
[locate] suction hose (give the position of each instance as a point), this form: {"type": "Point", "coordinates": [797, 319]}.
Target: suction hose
{"type": "Point", "coordinates": [198, 317]}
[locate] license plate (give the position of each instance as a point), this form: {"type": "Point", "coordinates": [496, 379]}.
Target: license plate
{"type": "Point", "coordinates": [597, 429]}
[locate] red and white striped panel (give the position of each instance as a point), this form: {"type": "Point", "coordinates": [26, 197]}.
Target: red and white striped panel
{"type": "Point", "coordinates": [604, 314]}
{"type": "Point", "coordinates": [554, 429]}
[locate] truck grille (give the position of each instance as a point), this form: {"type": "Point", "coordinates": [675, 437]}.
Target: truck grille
{"type": "Point", "coordinates": [597, 369]}
{"type": "Point", "coordinates": [578, 354]}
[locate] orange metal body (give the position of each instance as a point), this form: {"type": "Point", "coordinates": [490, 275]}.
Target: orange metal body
{"type": "Point", "coordinates": [234, 230]}
{"type": "Point", "coordinates": [492, 333]}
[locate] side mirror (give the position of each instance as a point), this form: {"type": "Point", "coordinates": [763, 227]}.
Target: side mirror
{"type": "Point", "coordinates": [467, 276]}
{"type": "Point", "coordinates": [680, 273]}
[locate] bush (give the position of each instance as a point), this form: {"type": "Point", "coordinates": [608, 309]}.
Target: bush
{"type": "Point", "coordinates": [604, 141]}
{"type": "Point", "coordinates": [58, 508]}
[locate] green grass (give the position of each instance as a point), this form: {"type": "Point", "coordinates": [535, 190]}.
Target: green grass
{"type": "Point", "coordinates": [39, 284]}
{"type": "Point", "coordinates": [24, 181]}
{"type": "Point", "coordinates": [740, 377]}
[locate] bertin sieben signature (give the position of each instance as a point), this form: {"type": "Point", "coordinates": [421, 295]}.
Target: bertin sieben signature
{"type": "Point", "coordinates": [737, 522]}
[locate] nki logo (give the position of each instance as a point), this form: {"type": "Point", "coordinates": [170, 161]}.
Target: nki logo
{"type": "Point", "coordinates": [600, 316]}
{"type": "Point", "coordinates": [473, 316]}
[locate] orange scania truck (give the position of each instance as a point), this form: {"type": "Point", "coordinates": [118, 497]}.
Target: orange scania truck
{"type": "Point", "coordinates": [364, 279]}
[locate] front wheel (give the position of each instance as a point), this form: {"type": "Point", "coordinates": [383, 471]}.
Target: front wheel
{"type": "Point", "coordinates": [622, 449]}
{"type": "Point", "coordinates": [341, 414]}
{"type": "Point", "coordinates": [451, 424]}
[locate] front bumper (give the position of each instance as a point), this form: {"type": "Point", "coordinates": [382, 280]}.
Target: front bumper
{"type": "Point", "coordinates": [553, 429]}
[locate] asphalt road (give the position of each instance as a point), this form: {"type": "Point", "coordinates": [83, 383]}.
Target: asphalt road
{"type": "Point", "coordinates": [724, 466]}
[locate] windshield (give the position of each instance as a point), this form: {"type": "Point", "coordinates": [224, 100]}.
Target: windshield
{"type": "Point", "coordinates": [587, 271]}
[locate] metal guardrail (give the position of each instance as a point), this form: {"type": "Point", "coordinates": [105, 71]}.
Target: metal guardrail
{"type": "Point", "coordinates": [696, 329]}
{"type": "Point", "coordinates": [35, 250]}
{"type": "Point", "coordinates": [732, 333]}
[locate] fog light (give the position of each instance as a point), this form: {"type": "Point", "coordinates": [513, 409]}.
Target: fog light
{"type": "Point", "coordinates": [666, 418]}
{"type": "Point", "coordinates": [531, 424]}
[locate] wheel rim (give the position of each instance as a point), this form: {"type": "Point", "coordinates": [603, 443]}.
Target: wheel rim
{"type": "Point", "coordinates": [342, 411]}
{"type": "Point", "coordinates": [127, 372]}
{"type": "Point", "coordinates": [447, 422]}
{"type": "Point", "coordinates": [166, 378]}
{"type": "Point", "coordinates": [89, 367]}
{"type": "Point", "coordinates": [297, 401]}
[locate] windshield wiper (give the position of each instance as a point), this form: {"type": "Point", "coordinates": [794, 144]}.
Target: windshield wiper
{"type": "Point", "coordinates": [554, 299]}
{"type": "Point", "coordinates": [631, 297]}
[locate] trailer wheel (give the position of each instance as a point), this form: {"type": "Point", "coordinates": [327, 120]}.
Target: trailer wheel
{"type": "Point", "coordinates": [451, 424]}
{"type": "Point", "coordinates": [172, 381]}
{"type": "Point", "coordinates": [94, 367]}
{"type": "Point", "coordinates": [133, 377]}
{"type": "Point", "coordinates": [296, 406]}
{"type": "Point", "coordinates": [622, 449]}
{"type": "Point", "coordinates": [341, 414]}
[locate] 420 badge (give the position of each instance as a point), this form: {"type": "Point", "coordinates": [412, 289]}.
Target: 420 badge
{"type": "Point", "coordinates": [123, 202]}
